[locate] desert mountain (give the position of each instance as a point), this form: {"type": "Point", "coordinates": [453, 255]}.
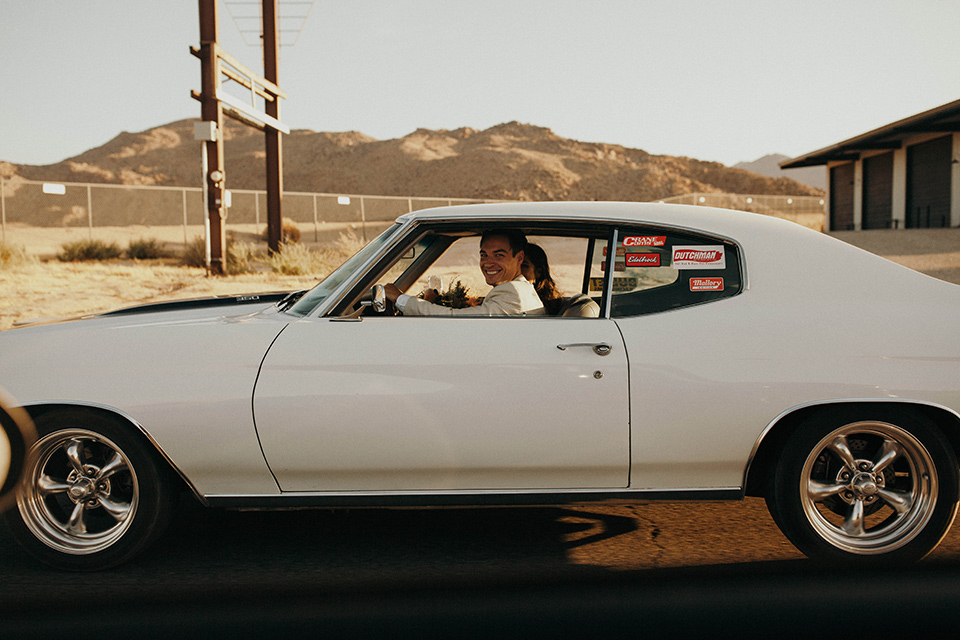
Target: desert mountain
{"type": "Point", "coordinates": [509, 161]}
{"type": "Point", "coordinates": [769, 165]}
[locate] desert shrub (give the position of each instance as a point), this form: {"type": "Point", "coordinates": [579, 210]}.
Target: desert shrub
{"type": "Point", "coordinates": [195, 253]}
{"type": "Point", "coordinates": [293, 260]}
{"type": "Point", "coordinates": [331, 256]}
{"type": "Point", "coordinates": [84, 250]}
{"type": "Point", "coordinates": [298, 260]}
{"type": "Point", "coordinates": [11, 255]}
{"type": "Point", "coordinates": [289, 232]}
{"type": "Point", "coordinates": [146, 249]}
{"type": "Point", "coordinates": [239, 255]}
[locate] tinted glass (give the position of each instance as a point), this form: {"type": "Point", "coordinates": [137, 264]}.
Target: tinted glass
{"type": "Point", "coordinates": [658, 271]}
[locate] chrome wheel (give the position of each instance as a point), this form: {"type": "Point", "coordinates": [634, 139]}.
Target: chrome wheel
{"type": "Point", "coordinates": [865, 484]}
{"type": "Point", "coordinates": [81, 492]}
{"type": "Point", "coordinates": [869, 487]}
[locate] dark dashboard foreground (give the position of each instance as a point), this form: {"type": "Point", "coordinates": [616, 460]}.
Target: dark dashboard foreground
{"type": "Point", "coordinates": [645, 570]}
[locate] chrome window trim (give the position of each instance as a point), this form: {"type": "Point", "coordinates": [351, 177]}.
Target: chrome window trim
{"type": "Point", "coordinates": [410, 221]}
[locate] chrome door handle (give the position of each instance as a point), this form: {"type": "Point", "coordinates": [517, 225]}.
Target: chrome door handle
{"type": "Point", "coordinates": [600, 348]}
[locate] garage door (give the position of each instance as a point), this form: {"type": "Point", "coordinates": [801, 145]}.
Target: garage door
{"type": "Point", "coordinates": [841, 197]}
{"type": "Point", "coordinates": [928, 183]}
{"type": "Point", "coordinates": [878, 192]}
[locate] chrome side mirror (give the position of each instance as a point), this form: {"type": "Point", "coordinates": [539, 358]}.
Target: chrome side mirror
{"type": "Point", "coordinates": [378, 298]}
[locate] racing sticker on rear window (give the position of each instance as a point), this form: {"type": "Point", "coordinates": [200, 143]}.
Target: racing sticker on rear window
{"type": "Point", "coordinates": [699, 257]}
{"type": "Point", "coordinates": [619, 284]}
{"type": "Point", "coordinates": [644, 241]}
{"type": "Point", "coordinates": [618, 265]}
{"type": "Point", "coordinates": [706, 284]}
{"type": "Point", "coordinates": [643, 259]}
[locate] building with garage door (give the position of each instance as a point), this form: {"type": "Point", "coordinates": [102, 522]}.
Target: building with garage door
{"type": "Point", "coordinates": [902, 176]}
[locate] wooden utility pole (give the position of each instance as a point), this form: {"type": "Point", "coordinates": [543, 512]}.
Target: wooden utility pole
{"type": "Point", "coordinates": [211, 111]}
{"type": "Point", "coordinates": [273, 141]}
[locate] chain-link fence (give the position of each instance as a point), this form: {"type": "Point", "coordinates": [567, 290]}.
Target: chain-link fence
{"type": "Point", "coordinates": [44, 216]}
{"type": "Point", "coordinates": [806, 210]}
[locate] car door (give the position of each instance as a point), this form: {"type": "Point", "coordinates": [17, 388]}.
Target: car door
{"type": "Point", "coordinates": [440, 404]}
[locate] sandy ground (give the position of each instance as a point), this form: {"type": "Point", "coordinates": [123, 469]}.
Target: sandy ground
{"type": "Point", "coordinates": [48, 288]}
{"type": "Point", "coordinates": [57, 289]}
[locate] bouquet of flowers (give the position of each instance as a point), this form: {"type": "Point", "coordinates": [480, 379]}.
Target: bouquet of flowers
{"type": "Point", "coordinates": [455, 297]}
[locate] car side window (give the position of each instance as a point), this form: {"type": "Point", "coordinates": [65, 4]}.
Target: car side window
{"type": "Point", "coordinates": [656, 270]}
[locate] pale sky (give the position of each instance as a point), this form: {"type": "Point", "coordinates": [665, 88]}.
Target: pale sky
{"type": "Point", "coordinates": [724, 80]}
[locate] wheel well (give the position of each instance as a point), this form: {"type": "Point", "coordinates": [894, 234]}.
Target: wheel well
{"type": "Point", "coordinates": [176, 477]}
{"type": "Point", "coordinates": [765, 458]}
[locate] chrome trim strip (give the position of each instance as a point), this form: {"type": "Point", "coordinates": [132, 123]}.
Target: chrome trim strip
{"type": "Point", "coordinates": [468, 498]}
{"type": "Point", "coordinates": [122, 414]}
{"type": "Point", "coordinates": [814, 403]}
{"type": "Point", "coordinates": [608, 279]}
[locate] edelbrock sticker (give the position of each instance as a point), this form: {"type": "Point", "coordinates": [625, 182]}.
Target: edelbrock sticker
{"type": "Point", "coordinates": [643, 259]}
{"type": "Point", "coordinates": [699, 257]}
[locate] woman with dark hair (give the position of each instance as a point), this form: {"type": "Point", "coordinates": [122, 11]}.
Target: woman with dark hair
{"type": "Point", "coordinates": [536, 270]}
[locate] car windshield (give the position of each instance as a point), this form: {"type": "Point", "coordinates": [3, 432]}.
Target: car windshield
{"type": "Point", "coordinates": [319, 293]}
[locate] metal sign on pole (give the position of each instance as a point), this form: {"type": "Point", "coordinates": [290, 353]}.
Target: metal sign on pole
{"type": "Point", "coordinates": [215, 103]}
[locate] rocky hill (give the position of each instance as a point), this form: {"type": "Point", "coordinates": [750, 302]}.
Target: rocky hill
{"type": "Point", "coordinates": [769, 165]}
{"type": "Point", "coordinates": [509, 161]}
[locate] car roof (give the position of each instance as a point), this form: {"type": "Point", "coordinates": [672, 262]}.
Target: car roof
{"type": "Point", "coordinates": [708, 219]}
{"type": "Point", "coordinates": [783, 254]}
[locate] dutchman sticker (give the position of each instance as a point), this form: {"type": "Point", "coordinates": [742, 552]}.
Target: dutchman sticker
{"type": "Point", "coordinates": [699, 257]}
{"type": "Point", "coordinates": [643, 259]}
{"type": "Point", "coordinates": [644, 241]}
{"type": "Point", "coordinates": [706, 284]}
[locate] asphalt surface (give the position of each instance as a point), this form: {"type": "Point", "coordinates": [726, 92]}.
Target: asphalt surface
{"type": "Point", "coordinates": [715, 569]}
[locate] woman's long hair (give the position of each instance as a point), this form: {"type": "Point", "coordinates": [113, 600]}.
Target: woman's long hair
{"type": "Point", "coordinates": [543, 282]}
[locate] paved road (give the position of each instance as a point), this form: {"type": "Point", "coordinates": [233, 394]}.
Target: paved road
{"type": "Point", "coordinates": [711, 568]}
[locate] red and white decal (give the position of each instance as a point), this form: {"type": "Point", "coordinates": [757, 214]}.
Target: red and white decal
{"type": "Point", "coordinates": [699, 257]}
{"type": "Point", "coordinates": [706, 284]}
{"type": "Point", "coordinates": [618, 265]}
{"type": "Point", "coordinates": [643, 259]}
{"type": "Point", "coordinates": [644, 241]}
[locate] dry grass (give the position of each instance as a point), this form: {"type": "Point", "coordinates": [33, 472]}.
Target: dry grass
{"type": "Point", "coordinates": [11, 255]}
{"type": "Point", "coordinates": [32, 289]}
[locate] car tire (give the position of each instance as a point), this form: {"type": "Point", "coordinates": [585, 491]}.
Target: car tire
{"type": "Point", "coordinates": [865, 486]}
{"type": "Point", "coordinates": [94, 495]}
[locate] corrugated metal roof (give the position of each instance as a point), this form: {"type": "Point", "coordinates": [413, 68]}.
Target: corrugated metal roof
{"type": "Point", "coordinates": [945, 118]}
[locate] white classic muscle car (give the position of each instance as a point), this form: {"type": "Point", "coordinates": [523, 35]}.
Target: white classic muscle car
{"type": "Point", "coordinates": [694, 354]}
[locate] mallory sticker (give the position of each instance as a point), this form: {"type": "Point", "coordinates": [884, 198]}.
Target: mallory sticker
{"type": "Point", "coordinates": [643, 259]}
{"type": "Point", "coordinates": [706, 284]}
{"type": "Point", "coordinates": [699, 257]}
{"type": "Point", "coordinates": [644, 241]}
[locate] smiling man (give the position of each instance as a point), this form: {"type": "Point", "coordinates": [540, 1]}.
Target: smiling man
{"type": "Point", "coordinates": [501, 254]}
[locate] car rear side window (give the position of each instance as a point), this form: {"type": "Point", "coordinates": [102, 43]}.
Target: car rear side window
{"type": "Point", "coordinates": [656, 270]}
